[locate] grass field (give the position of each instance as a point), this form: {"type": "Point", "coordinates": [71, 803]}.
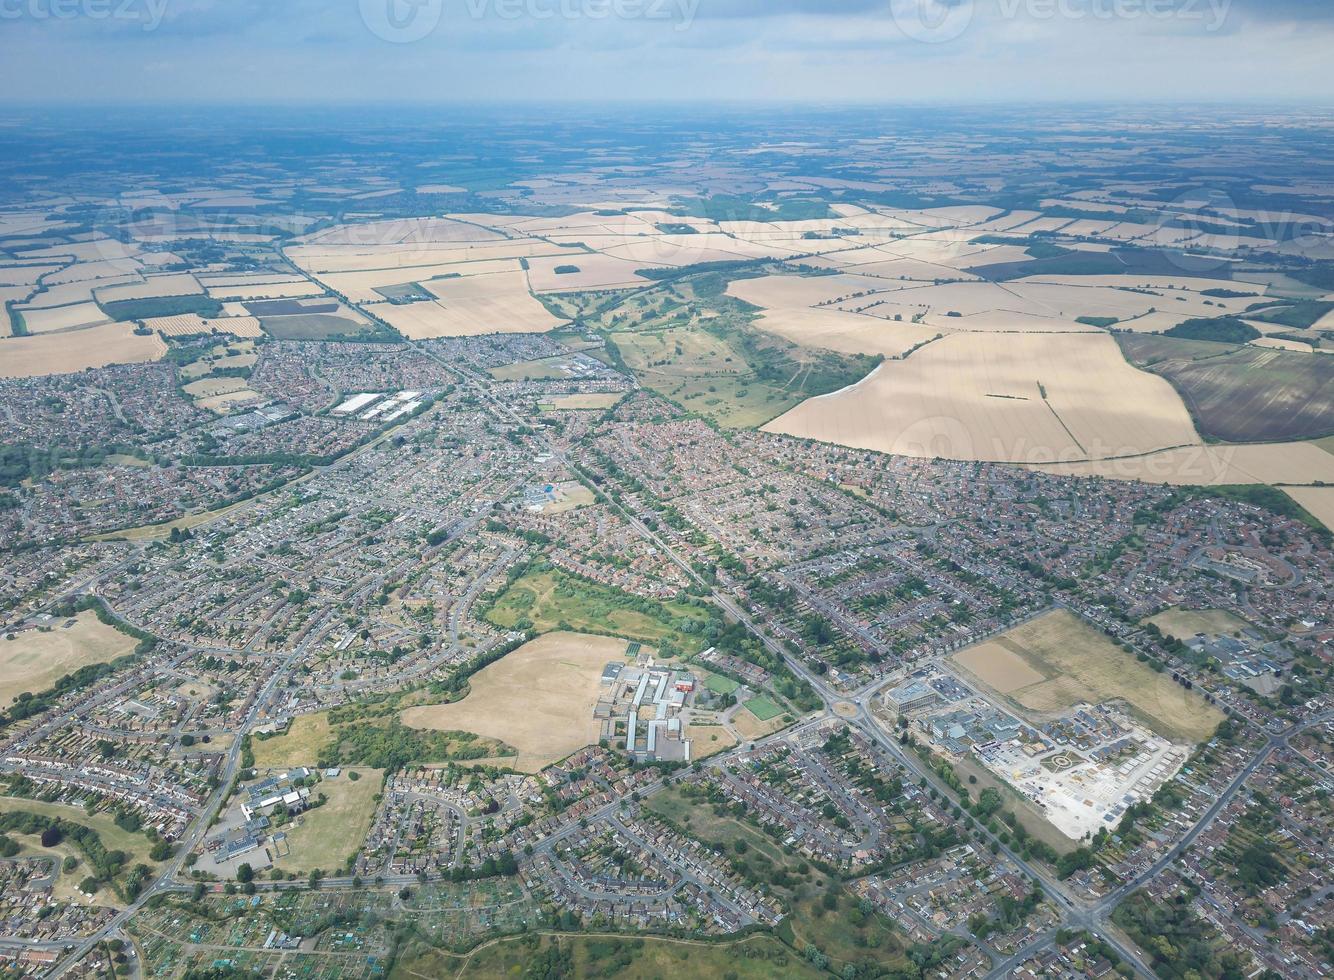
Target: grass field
{"type": "Point", "coordinates": [719, 684]}
{"type": "Point", "coordinates": [763, 709]}
{"type": "Point", "coordinates": [312, 326]}
{"type": "Point", "coordinates": [35, 660]}
{"type": "Point", "coordinates": [1185, 623]}
{"type": "Point", "coordinates": [538, 699]}
{"type": "Point", "coordinates": [113, 837]}
{"type": "Point", "coordinates": [1243, 395]}
{"type": "Point", "coordinates": [328, 835]}
{"type": "Point", "coordinates": [300, 745]}
{"type": "Point", "coordinates": [844, 937]}
{"type": "Point", "coordinates": [551, 600]}
{"type": "Point", "coordinates": [732, 373]}
{"type": "Point", "coordinates": [585, 402]}
{"type": "Point", "coordinates": [615, 958]}
{"type": "Point", "coordinates": [1057, 661]}
{"type": "Point", "coordinates": [543, 369]}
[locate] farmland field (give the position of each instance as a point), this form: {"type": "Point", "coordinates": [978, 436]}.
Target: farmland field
{"type": "Point", "coordinates": [1318, 500]}
{"type": "Point", "coordinates": [35, 660]}
{"type": "Point", "coordinates": [1207, 466]}
{"type": "Point", "coordinates": [64, 353]}
{"type": "Point", "coordinates": [1057, 661]}
{"type": "Point", "coordinates": [538, 699]}
{"type": "Point", "coordinates": [1002, 397]}
{"type": "Point", "coordinates": [1243, 395]}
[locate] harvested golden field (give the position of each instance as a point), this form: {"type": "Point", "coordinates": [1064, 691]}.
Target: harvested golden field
{"type": "Point", "coordinates": [1185, 623]}
{"type": "Point", "coordinates": [539, 699]}
{"type": "Point", "coordinates": [62, 353]}
{"type": "Point", "coordinates": [1207, 466]}
{"type": "Point", "coordinates": [34, 659]}
{"type": "Point", "coordinates": [469, 306]}
{"type": "Point", "coordinates": [186, 324]}
{"type": "Point", "coordinates": [224, 402]}
{"type": "Point", "coordinates": [1057, 661]}
{"type": "Point", "coordinates": [53, 318]}
{"type": "Point", "coordinates": [551, 273]}
{"type": "Point", "coordinates": [847, 333]}
{"type": "Point", "coordinates": [1002, 397]}
{"type": "Point", "coordinates": [176, 284]}
{"type": "Point", "coordinates": [1318, 500]}
{"type": "Point", "coordinates": [276, 290]}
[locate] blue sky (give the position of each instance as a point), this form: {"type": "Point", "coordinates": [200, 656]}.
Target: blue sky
{"type": "Point", "coordinates": [443, 51]}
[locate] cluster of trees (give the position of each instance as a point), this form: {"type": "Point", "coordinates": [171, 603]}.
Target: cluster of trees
{"type": "Point", "coordinates": [1180, 943]}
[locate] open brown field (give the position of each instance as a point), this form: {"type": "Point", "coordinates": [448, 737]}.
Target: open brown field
{"type": "Point", "coordinates": [539, 699]}
{"type": "Point", "coordinates": [1208, 466]}
{"type": "Point", "coordinates": [34, 660]}
{"type": "Point", "coordinates": [54, 318]}
{"type": "Point", "coordinates": [594, 271]}
{"type": "Point", "coordinates": [176, 284]}
{"type": "Point", "coordinates": [328, 835]}
{"type": "Point", "coordinates": [63, 353]}
{"type": "Point", "coordinates": [1057, 661]}
{"type": "Point", "coordinates": [1002, 397]}
{"type": "Point", "coordinates": [586, 402]}
{"type": "Point", "coordinates": [301, 745]}
{"type": "Point", "coordinates": [1318, 500]}
{"type": "Point", "coordinates": [468, 306]}
{"type": "Point", "coordinates": [1247, 394]}
{"type": "Point", "coordinates": [1185, 623]}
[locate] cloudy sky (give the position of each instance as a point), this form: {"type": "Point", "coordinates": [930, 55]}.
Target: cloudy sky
{"type": "Point", "coordinates": [898, 51]}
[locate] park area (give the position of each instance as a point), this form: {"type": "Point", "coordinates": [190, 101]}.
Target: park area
{"type": "Point", "coordinates": [538, 699]}
{"type": "Point", "coordinates": [543, 599]}
{"type": "Point", "coordinates": [1054, 662]}
{"type": "Point", "coordinates": [35, 659]}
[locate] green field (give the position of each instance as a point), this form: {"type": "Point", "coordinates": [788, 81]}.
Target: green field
{"type": "Point", "coordinates": [328, 835]}
{"type": "Point", "coordinates": [619, 957]}
{"type": "Point", "coordinates": [719, 684]}
{"type": "Point", "coordinates": [545, 599]}
{"type": "Point", "coordinates": [315, 326]}
{"type": "Point", "coordinates": [763, 708]}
